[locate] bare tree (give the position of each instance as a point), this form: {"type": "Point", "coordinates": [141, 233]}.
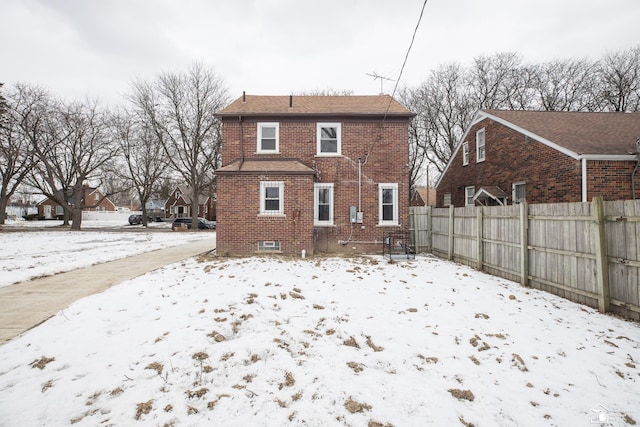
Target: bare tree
{"type": "Point", "coordinates": [16, 159]}
{"type": "Point", "coordinates": [72, 148]}
{"type": "Point", "coordinates": [566, 85]}
{"type": "Point", "coordinates": [179, 108]}
{"type": "Point", "coordinates": [142, 154]}
{"type": "Point", "coordinates": [620, 80]}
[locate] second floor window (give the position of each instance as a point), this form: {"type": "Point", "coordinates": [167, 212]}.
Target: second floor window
{"type": "Point", "coordinates": [480, 154]}
{"type": "Point", "coordinates": [465, 154]}
{"type": "Point", "coordinates": [268, 138]}
{"type": "Point", "coordinates": [329, 139]}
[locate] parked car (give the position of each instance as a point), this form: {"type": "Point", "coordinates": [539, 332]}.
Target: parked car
{"type": "Point", "coordinates": [203, 224]}
{"type": "Point", "coordinates": [137, 219]}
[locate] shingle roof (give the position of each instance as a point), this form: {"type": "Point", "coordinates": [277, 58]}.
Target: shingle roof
{"type": "Point", "coordinates": [284, 166]}
{"type": "Point", "coordinates": [582, 133]}
{"type": "Point", "coordinates": [315, 105]}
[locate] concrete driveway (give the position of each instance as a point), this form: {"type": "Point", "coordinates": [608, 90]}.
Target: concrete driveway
{"type": "Point", "coordinates": [28, 304]}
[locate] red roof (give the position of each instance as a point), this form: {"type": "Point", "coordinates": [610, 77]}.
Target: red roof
{"type": "Point", "coordinates": [580, 132]}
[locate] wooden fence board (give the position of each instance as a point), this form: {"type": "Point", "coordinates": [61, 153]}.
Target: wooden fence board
{"type": "Point", "coordinates": [561, 249]}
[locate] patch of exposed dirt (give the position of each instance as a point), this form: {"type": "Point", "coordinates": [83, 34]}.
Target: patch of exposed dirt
{"type": "Point", "coordinates": [42, 362]}
{"type": "Point", "coordinates": [143, 408]}
{"type": "Point", "coordinates": [353, 406]}
{"type": "Point", "coordinates": [351, 342]}
{"type": "Point", "coordinates": [373, 346]}
{"type": "Point", "coordinates": [357, 367]}
{"type": "Point", "coordinates": [156, 366]}
{"type": "Point", "coordinates": [462, 394]}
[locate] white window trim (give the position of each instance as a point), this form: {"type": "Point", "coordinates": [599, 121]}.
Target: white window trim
{"type": "Point", "coordinates": [386, 186]}
{"type": "Point", "coordinates": [259, 137]}
{"type": "Point", "coordinates": [316, 199]}
{"type": "Point", "coordinates": [465, 154]}
{"type": "Point", "coordinates": [263, 186]}
{"type": "Point", "coordinates": [483, 145]}
{"type": "Point", "coordinates": [466, 195]}
{"type": "Point", "coordinates": [338, 127]}
{"type": "Point", "coordinates": [513, 191]}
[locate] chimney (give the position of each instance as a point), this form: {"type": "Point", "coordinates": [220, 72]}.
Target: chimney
{"type": "Point", "coordinates": [290, 101]}
{"type": "Point", "coordinates": [244, 96]}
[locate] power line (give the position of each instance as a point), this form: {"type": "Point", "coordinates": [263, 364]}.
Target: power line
{"type": "Point", "coordinates": [405, 59]}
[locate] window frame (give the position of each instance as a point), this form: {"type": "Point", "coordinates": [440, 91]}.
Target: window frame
{"type": "Point", "coordinates": [446, 199]}
{"type": "Point", "coordinates": [481, 153]}
{"type": "Point", "coordinates": [319, 127]}
{"type": "Point", "coordinates": [269, 246]}
{"type": "Point", "coordinates": [465, 154]}
{"type": "Point", "coordinates": [259, 137]}
{"type": "Point", "coordinates": [515, 200]}
{"type": "Point", "coordinates": [263, 198]}
{"type": "Point", "coordinates": [381, 188]}
{"type": "Point", "coordinates": [316, 204]}
{"type": "Point", "coordinates": [466, 195]}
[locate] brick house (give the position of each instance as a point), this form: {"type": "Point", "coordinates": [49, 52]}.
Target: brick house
{"type": "Point", "coordinates": [312, 173]}
{"type": "Point", "coordinates": [178, 205]}
{"type": "Point", "coordinates": [543, 157]}
{"type": "Point", "coordinates": [93, 200]}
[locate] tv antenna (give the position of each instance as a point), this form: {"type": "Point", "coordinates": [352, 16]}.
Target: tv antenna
{"type": "Point", "coordinates": [376, 76]}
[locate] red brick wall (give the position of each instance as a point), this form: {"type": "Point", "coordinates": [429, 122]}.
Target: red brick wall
{"type": "Point", "coordinates": [550, 176]}
{"type": "Point", "coordinates": [238, 196]}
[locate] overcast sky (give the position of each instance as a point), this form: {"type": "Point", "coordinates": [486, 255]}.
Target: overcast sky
{"type": "Point", "coordinates": [277, 47]}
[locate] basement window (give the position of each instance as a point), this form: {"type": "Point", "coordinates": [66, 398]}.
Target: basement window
{"type": "Point", "coordinates": [269, 246]}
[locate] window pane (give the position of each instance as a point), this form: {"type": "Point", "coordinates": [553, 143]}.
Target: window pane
{"type": "Point", "coordinates": [387, 195]}
{"type": "Point", "coordinates": [323, 212]}
{"type": "Point", "coordinates": [269, 132]}
{"type": "Point", "coordinates": [329, 133]}
{"type": "Point", "coordinates": [328, 146]}
{"type": "Point", "coordinates": [268, 144]}
{"type": "Point", "coordinates": [387, 212]}
{"type": "Point", "coordinates": [323, 195]}
{"type": "Point", "coordinates": [272, 205]}
{"type": "Point", "coordinates": [271, 192]}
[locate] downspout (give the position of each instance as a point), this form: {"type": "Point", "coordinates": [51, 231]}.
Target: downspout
{"type": "Point", "coordinates": [584, 180]}
{"type": "Point", "coordinates": [633, 177]}
{"type": "Point", "coordinates": [241, 143]}
{"type": "Point", "coordinates": [359, 184]}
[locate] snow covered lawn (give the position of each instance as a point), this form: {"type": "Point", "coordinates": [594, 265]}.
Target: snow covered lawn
{"type": "Point", "coordinates": [28, 254]}
{"type": "Point", "coordinates": [321, 342]}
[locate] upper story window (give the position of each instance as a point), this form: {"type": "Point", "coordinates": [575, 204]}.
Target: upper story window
{"type": "Point", "coordinates": [268, 137]}
{"type": "Point", "coordinates": [323, 206]}
{"type": "Point", "coordinates": [388, 204]}
{"type": "Point", "coordinates": [271, 198]}
{"type": "Point", "coordinates": [469, 192]}
{"type": "Point", "coordinates": [480, 154]}
{"type": "Point", "coordinates": [465, 154]}
{"type": "Point", "coordinates": [329, 140]}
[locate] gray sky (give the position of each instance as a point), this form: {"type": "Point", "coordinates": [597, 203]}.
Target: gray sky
{"type": "Point", "coordinates": [276, 47]}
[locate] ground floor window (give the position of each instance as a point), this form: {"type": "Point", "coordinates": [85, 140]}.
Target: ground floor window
{"type": "Point", "coordinates": [323, 204]}
{"type": "Point", "coordinates": [388, 204]}
{"type": "Point", "coordinates": [469, 192]}
{"type": "Point", "coordinates": [519, 192]}
{"type": "Point", "coordinates": [271, 198]}
{"type": "Point", "coordinates": [447, 199]}
{"type": "Point", "coordinates": [59, 210]}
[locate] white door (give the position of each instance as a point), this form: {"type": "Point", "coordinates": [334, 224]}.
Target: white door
{"type": "Point", "coordinates": [47, 212]}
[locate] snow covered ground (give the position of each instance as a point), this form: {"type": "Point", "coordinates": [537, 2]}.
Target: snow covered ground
{"type": "Point", "coordinates": [29, 254]}
{"type": "Point", "coordinates": [322, 341]}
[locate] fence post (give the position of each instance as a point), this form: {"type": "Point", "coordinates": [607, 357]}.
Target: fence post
{"type": "Point", "coordinates": [524, 244]}
{"type": "Point", "coordinates": [451, 228]}
{"type": "Point", "coordinates": [479, 236]}
{"type": "Point", "coordinates": [602, 260]}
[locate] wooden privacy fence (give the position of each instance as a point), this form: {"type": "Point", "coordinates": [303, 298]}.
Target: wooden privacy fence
{"type": "Point", "coordinates": [585, 252]}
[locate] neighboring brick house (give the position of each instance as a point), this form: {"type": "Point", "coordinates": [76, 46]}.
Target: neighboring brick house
{"type": "Point", "coordinates": [312, 173]}
{"type": "Point", "coordinates": [543, 157]}
{"type": "Point", "coordinates": [93, 200]}
{"type": "Point", "coordinates": [178, 205]}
